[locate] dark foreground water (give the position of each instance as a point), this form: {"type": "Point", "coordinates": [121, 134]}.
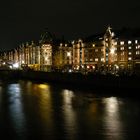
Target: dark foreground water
{"type": "Point", "coordinates": [30, 110]}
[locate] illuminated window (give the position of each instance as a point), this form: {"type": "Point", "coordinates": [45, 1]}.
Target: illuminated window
{"type": "Point", "coordinates": [138, 46]}
{"type": "Point", "coordinates": [102, 50]}
{"type": "Point", "coordinates": [96, 50]}
{"type": "Point", "coordinates": [122, 42]}
{"type": "Point", "coordinates": [129, 42]}
{"type": "Point", "coordinates": [115, 43]}
{"type": "Point", "coordinates": [122, 48]}
{"type": "Point", "coordinates": [96, 59]}
{"type": "Point", "coordinates": [137, 52]}
{"type": "Point", "coordinates": [68, 54]}
{"type": "Point", "coordinates": [102, 59]}
{"type": "Point", "coordinates": [112, 50]}
{"type": "Point", "coordinates": [93, 45]}
{"type": "Point", "coordinates": [129, 47]}
{"type": "Point", "coordinates": [136, 41]}
{"type": "Point", "coordinates": [129, 58]}
{"type": "Point", "coordinates": [130, 53]}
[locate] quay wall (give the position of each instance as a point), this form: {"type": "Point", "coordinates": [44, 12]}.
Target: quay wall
{"type": "Point", "coordinates": [75, 79]}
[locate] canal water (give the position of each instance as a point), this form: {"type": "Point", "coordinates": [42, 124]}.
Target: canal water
{"type": "Point", "coordinates": [31, 110]}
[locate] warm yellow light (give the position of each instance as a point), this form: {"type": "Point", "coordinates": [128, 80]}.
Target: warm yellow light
{"type": "Point", "coordinates": [129, 42]}
{"type": "Point", "coordinates": [112, 50]}
{"type": "Point", "coordinates": [43, 86]}
{"type": "Point", "coordinates": [46, 58]}
{"type": "Point", "coordinates": [122, 42]}
{"type": "Point", "coordinates": [68, 54]}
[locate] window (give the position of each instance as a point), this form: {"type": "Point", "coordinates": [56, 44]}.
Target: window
{"type": "Point", "coordinates": [96, 50]}
{"type": "Point", "coordinates": [122, 48]}
{"type": "Point", "coordinates": [129, 47]}
{"type": "Point", "coordinates": [102, 59]}
{"type": "Point", "coordinates": [129, 58]}
{"type": "Point", "coordinates": [102, 50]}
{"type": "Point", "coordinates": [96, 59]}
{"type": "Point", "coordinates": [129, 42]}
{"type": "Point", "coordinates": [115, 43]}
{"type": "Point", "coordinates": [68, 54]}
{"type": "Point", "coordinates": [136, 41]}
{"type": "Point", "coordinates": [129, 53]}
{"type": "Point", "coordinates": [122, 42]}
{"type": "Point", "coordinates": [137, 52]}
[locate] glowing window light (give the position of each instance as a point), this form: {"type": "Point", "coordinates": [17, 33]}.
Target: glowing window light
{"type": "Point", "coordinates": [96, 50]}
{"type": "Point", "coordinates": [68, 54]}
{"type": "Point", "coordinates": [129, 42]}
{"type": "Point", "coordinates": [129, 58]}
{"type": "Point", "coordinates": [122, 48]}
{"type": "Point", "coordinates": [102, 59]}
{"type": "Point", "coordinates": [96, 59]}
{"type": "Point", "coordinates": [115, 43]}
{"type": "Point", "coordinates": [112, 50]}
{"type": "Point", "coordinates": [93, 67]}
{"type": "Point", "coordinates": [122, 42]}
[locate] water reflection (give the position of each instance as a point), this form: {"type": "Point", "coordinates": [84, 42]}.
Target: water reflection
{"type": "Point", "coordinates": [69, 114]}
{"type": "Point", "coordinates": [112, 123]}
{"type": "Point", "coordinates": [16, 113]}
{"type": "Point", "coordinates": [42, 111]}
{"type": "Point", "coordinates": [44, 101]}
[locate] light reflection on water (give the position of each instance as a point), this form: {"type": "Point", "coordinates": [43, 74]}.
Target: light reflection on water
{"type": "Point", "coordinates": [69, 114]}
{"type": "Point", "coordinates": [15, 107]}
{"type": "Point", "coordinates": [43, 111]}
{"type": "Point", "coordinates": [112, 124]}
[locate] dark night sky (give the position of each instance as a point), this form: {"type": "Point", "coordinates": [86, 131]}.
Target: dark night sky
{"type": "Point", "coordinates": [25, 20]}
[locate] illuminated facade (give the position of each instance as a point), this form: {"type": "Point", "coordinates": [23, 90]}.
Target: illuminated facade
{"type": "Point", "coordinates": [105, 53]}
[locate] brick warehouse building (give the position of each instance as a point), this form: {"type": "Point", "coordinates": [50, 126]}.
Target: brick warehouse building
{"type": "Point", "coordinates": [111, 51]}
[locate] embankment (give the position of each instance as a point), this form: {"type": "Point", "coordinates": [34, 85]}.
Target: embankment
{"type": "Point", "coordinates": [75, 79]}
